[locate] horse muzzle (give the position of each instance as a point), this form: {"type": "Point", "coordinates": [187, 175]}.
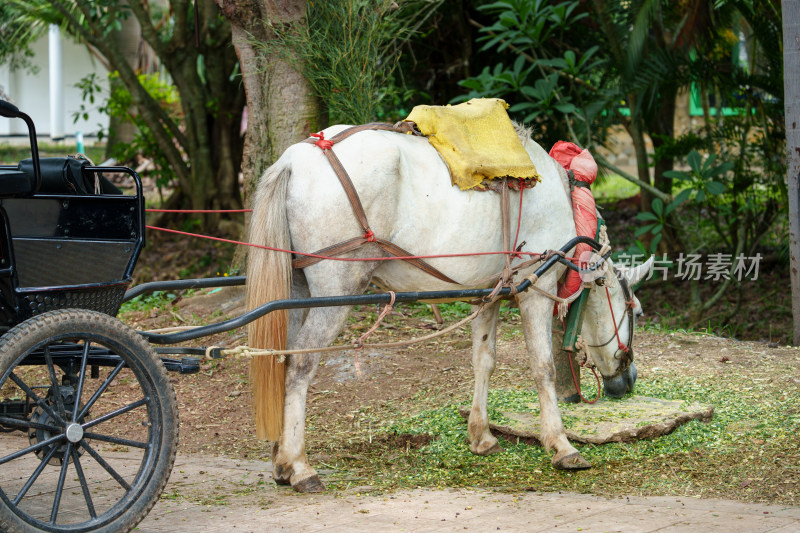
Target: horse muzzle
{"type": "Point", "coordinates": [622, 383]}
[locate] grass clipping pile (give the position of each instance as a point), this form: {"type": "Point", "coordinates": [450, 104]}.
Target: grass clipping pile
{"type": "Point", "coordinates": [398, 425]}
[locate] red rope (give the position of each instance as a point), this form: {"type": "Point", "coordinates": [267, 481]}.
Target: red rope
{"type": "Point", "coordinates": [517, 255]}
{"type": "Point", "coordinates": [353, 259]}
{"type": "Point", "coordinates": [578, 387]}
{"type": "Point", "coordinates": [322, 143]}
{"type": "Point", "coordinates": [620, 344]}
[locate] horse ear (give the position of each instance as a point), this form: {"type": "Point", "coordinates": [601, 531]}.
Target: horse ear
{"type": "Point", "coordinates": [637, 274]}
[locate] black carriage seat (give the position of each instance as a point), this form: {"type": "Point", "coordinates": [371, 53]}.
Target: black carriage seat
{"type": "Point", "coordinates": [60, 175]}
{"type": "Point", "coordinates": [14, 182]}
{"type": "Point", "coordinates": [66, 175]}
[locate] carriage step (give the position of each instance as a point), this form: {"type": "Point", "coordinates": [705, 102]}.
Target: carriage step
{"type": "Point", "coordinates": [187, 365]}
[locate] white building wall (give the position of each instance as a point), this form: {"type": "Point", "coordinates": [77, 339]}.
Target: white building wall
{"type": "Point", "coordinates": [31, 92]}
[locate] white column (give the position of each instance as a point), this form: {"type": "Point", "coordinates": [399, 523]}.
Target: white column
{"type": "Point", "coordinates": [56, 83]}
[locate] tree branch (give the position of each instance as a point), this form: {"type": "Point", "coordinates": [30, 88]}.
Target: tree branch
{"type": "Point", "coordinates": [666, 198]}
{"type": "Point", "coordinates": [180, 10]}
{"type": "Point", "coordinates": [99, 56]}
{"type": "Point", "coordinates": [149, 32]}
{"type": "Point", "coordinates": [150, 35]}
{"type": "Point", "coordinates": [708, 304]}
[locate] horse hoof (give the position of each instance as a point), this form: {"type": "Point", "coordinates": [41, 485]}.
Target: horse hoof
{"type": "Point", "coordinates": [494, 448]}
{"type": "Point", "coordinates": [281, 475]}
{"type": "Point", "coordinates": [309, 484]}
{"type": "Point", "coordinates": [573, 461]}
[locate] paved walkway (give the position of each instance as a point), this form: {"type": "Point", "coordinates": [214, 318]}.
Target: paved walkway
{"type": "Point", "coordinates": [213, 494]}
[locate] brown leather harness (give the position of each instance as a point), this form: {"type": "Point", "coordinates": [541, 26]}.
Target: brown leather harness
{"type": "Point", "coordinates": [350, 245]}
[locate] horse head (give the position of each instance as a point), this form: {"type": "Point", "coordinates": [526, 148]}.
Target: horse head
{"type": "Point", "coordinates": [609, 319]}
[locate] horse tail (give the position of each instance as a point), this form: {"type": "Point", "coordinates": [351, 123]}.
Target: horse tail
{"type": "Point", "coordinates": [269, 277]}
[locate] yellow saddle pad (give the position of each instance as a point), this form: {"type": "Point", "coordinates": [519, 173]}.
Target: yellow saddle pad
{"type": "Point", "coordinates": [476, 139]}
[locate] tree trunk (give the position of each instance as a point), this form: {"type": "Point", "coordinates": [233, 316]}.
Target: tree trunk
{"type": "Point", "coordinates": [791, 83]}
{"type": "Point", "coordinates": [661, 128]}
{"type": "Point", "coordinates": [281, 108]}
{"type": "Point", "coordinates": [636, 131]}
{"type": "Point", "coordinates": [212, 106]}
{"type": "Point", "coordinates": [127, 40]}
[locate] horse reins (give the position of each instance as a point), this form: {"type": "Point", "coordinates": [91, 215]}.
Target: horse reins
{"type": "Point", "coordinates": [625, 348]}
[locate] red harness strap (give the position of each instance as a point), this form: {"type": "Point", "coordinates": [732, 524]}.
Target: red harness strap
{"type": "Point", "coordinates": [622, 346]}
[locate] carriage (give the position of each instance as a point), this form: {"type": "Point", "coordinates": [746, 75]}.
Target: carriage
{"type": "Point", "coordinates": [88, 417]}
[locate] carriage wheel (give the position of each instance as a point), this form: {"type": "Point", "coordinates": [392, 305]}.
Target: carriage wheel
{"type": "Point", "coordinates": [97, 425]}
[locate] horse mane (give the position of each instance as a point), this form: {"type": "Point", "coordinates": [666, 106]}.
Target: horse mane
{"type": "Point", "coordinates": [525, 135]}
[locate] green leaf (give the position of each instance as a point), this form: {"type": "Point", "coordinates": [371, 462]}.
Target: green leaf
{"type": "Point", "coordinates": [682, 196]}
{"type": "Point", "coordinates": [532, 92]}
{"type": "Point", "coordinates": [496, 6]}
{"type": "Point", "coordinates": [518, 64]}
{"type": "Point", "coordinates": [709, 162]}
{"type": "Point", "coordinates": [566, 108]}
{"type": "Point", "coordinates": [677, 174]}
{"type": "Point", "coordinates": [715, 187]}
{"type": "Point", "coordinates": [644, 229]}
{"type": "Point", "coordinates": [654, 243]}
{"type": "Point", "coordinates": [695, 161]}
{"type": "Point", "coordinates": [556, 62]}
{"type": "Point", "coordinates": [721, 169]}
{"type": "Point", "coordinates": [587, 55]}
{"type": "Point", "coordinates": [201, 68]}
{"type": "Point", "coordinates": [646, 215]}
{"type": "Point", "coordinates": [658, 206]}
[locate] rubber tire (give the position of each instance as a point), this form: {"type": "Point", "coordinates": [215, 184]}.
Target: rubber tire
{"type": "Point", "coordinates": [142, 360]}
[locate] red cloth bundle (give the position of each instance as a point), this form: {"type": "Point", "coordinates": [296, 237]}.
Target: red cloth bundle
{"type": "Point", "coordinates": [584, 168]}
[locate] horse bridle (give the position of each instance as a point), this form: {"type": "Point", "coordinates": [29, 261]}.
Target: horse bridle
{"type": "Point", "coordinates": [626, 354]}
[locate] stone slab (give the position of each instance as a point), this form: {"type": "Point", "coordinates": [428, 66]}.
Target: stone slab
{"type": "Point", "coordinates": [607, 420]}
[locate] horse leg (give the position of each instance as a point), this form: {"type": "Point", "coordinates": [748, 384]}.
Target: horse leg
{"type": "Point", "coordinates": [290, 464]}
{"type": "Point", "coordinates": [536, 312]}
{"type": "Point", "coordinates": [319, 329]}
{"type": "Point", "coordinates": [296, 319]}
{"type": "Point", "coordinates": [484, 336]}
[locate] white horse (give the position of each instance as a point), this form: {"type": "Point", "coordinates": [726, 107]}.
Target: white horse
{"type": "Point", "coordinates": [408, 198]}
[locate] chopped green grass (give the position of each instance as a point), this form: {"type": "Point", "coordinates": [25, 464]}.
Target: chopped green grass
{"type": "Point", "coordinates": [751, 442]}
